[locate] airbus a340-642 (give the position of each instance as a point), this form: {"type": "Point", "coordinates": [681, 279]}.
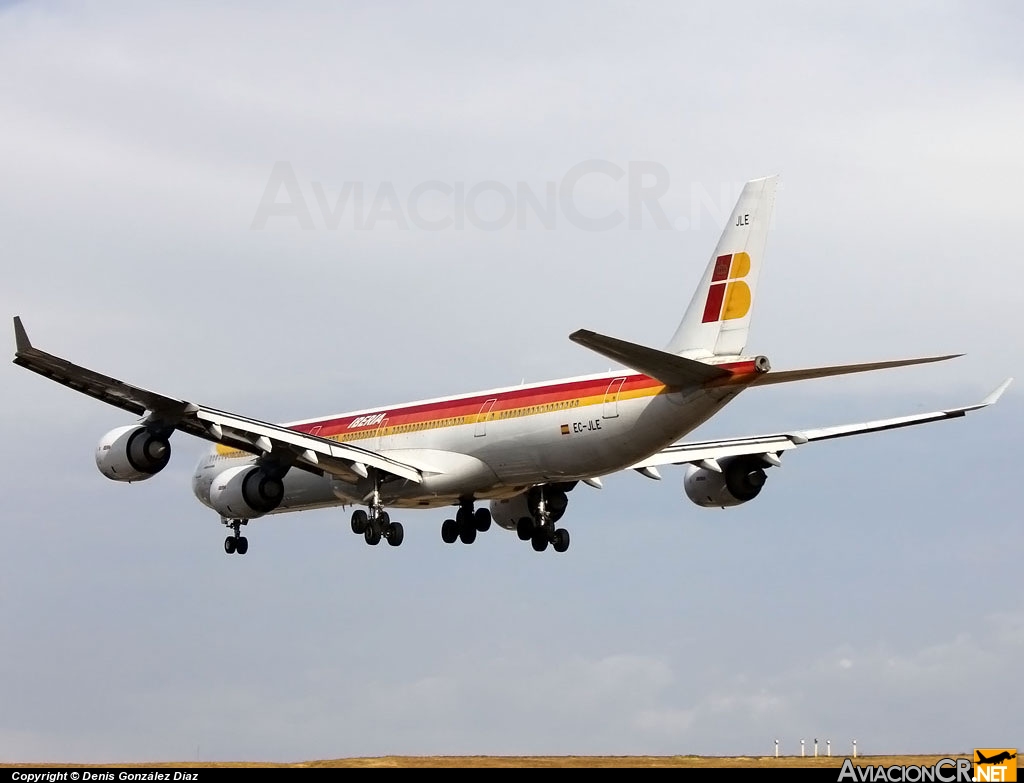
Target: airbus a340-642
{"type": "Point", "coordinates": [511, 455]}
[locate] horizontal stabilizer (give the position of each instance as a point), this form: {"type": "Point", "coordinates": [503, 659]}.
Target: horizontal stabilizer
{"type": "Point", "coordinates": [785, 376]}
{"type": "Point", "coordinates": [666, 367]}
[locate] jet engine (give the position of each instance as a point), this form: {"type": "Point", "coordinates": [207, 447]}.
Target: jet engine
{"type": "Point", "coordinates": [741, 480]}
{"type": "Point", "coordinates": [508, 511]}
{"type": "Point", "coordinates": [132, 453]}
{"type": "Point", "coordinates": [245, 492]}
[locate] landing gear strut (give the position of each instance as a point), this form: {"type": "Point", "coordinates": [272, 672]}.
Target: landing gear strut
{"type": "Point", "coordinates": [236, 543]}
{"type": "Point", "coordinates": [467, 523]}
{"type": "Point", "coordinates": [375, 524]}
{"type": "Point", "coordinates": [547, 506]}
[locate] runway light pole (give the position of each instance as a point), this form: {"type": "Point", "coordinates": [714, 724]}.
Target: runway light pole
{"type": "Point", "coordinates": [815, 747]}
{"type": "Point", "coordinates": [802, 747]}
{"type": "Point", "coordinates": [828, 747]}
{"type": "Point", "coordinates": [855, 748]}
{"type": "Point", "coordinates": [776, 748]}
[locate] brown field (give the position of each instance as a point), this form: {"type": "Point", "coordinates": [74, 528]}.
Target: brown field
{"type": "Point", "coordinates": [549, 761]}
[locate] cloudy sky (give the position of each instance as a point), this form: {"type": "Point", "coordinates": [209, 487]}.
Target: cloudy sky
{"type": "Point", "coordinates": [868, 593]}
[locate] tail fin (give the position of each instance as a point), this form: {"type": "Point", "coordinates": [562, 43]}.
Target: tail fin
{"type": "Point", "coordinates": [718, 318]}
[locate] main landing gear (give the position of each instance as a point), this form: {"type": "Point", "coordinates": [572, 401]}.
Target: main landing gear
{"type": "Point", "coordinates": [547, 506]}
{"type": "Point", "coordinates": [236, 543]}
{"type": "Point", "coordinates": [376, 524]}
{"type": "Point", "coordinates": [466, 525]}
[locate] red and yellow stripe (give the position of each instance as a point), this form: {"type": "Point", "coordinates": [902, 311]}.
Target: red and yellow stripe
{"type": "Point", "coordinates": [497, 406]}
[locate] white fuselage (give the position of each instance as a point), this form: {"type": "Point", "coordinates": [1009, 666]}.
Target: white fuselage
{"type": "Point", "coordinates": [496, 443]}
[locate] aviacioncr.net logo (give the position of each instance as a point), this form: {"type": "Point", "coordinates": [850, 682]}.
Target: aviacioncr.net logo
{"type": "Point", "coordinates": [995, 765]}
{"type": "Point", "coordinates": [943, 771]}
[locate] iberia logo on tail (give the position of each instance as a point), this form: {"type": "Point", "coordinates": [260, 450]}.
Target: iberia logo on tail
{"type": "Point", "coordinates": [729, 295]}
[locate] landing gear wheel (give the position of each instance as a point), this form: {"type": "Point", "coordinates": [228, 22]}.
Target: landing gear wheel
{"type": "Point", "coordinates": [464, 516]}
{"type": "Point", "coordinates": [242, 545]}
{"type": "Point", "coordinates": [560, 540]}
{"type": "Point", "coordinates": [524, 529]}
{"type": "Point", "coordinates": [467, 534]}
{"type": "Point", "coordinates": [229, 545]}
{"type": "Point", "coordinates": [449, 531]}
{"type": "Point", "coordinates": [482, 519]}
{"type": "Point", "coordinates": [359, 522]}
{"type": "Point", "coordinates": [396, 533]}
{"type": "Point", "coordinates": [540, 540]}
{"type": "Point", "coordinates": [376, 524]}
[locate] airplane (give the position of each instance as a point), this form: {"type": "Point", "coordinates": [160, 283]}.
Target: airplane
{"type": "Point", "coordinates": [519, 449]}
{"type": "Point", "coordinates": [999, 758]}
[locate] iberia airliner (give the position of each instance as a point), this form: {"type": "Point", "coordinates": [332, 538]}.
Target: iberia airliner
{"type": "Point", "coordinates": [511, 455]}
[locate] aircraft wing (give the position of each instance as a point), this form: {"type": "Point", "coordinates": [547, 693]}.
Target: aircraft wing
{"type": "Point", "coordinates": [771, 446]}
{"type": "Point", "coordinates": [310, 452]}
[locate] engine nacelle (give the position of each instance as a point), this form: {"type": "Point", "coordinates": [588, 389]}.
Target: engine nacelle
{"type": "Point", "coordinates": [508, 511]}
{"type": "Point", "coordinates": [245, 492]}
{"type": "Point", "coordinates": [741, 480]}
{"type": "Point", "coordinates": [132, 453]}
